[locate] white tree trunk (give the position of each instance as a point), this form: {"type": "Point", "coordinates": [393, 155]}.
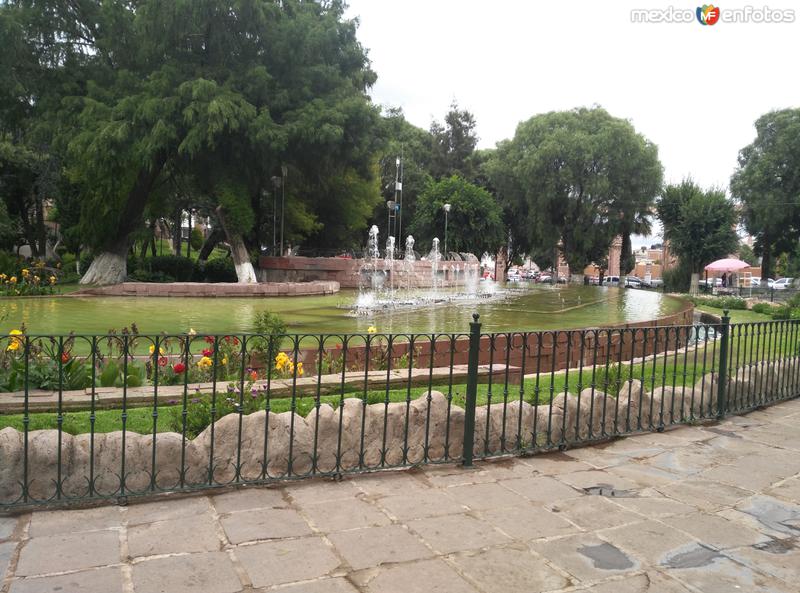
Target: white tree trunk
{"type": "Point", "coordinates": [245, 273]}
{"type": "Point", "coordinates": [694, 285]}
{"type": "Point", "coordinates": [107, 268]}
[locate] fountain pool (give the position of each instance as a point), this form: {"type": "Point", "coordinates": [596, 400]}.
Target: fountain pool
{"type": "Point", "coordinates": [528, 308]}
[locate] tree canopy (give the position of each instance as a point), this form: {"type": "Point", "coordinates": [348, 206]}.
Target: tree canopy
{"type": "Point", "coordinates": [474, 223]}
{"type": "Point", "coordinates": [699, 225]}
{"type": "Point", "coordinates": [767, 183]}
{"type": "Point", "coordinates": [575, 179]}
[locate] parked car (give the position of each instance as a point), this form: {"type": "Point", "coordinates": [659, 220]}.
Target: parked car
{"type": "Point", "coordinates": [655, 283]}
{"type": "Point", "coordinates": [633, 282]}
{"type": "Point", "coordinates": [611, 281]}
{"type": "Point", "coordinates": [782, 283]}
{"type": "Point", "coordinates": [770, 282]}
{"type": "Point", "coordinates": [594, 280]}
{"type": "Point", "coordinates": [544, 278]}
{"type": "Point", "coordinates": [755, 282]}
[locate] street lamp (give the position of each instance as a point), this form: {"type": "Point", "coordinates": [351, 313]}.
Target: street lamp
{"type": "Point", "coordinates": [446, 208]}
{"type": "Point", "coordinates": [277, 182]}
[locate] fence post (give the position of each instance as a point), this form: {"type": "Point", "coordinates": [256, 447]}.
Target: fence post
{"type": "Point", "coordinates": [722, 376]}
{"type": "Point", "coordinates": [472, 389]}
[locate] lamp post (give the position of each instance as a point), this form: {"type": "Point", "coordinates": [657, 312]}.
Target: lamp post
{"type": "Point", "coordinates": [284, 173]}
{"type": "Point", "coordinates": [446, 208]}
{"type": "Point", "coordinates": [277, 182]}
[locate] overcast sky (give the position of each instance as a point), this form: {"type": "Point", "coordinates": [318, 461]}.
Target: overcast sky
{"type": "Point", "coordinates": [693, 90]}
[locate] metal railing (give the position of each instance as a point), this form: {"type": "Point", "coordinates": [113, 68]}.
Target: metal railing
{"type": "Point", "coordinates": [110, 417]}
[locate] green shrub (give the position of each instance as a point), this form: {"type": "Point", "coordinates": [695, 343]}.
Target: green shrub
{"type": "Point", "coordinates": [175, 267]}
{"type": "Point", "coordinates": [216, 270]}
{"type": "Point", "coordinates": [196, 239]}
{"type": "Point", "coordinates": [677, 279]}
{"type": "Point", "coordinates": [763, 308]}
{"type": "Point", "coordinates": [730, 303]}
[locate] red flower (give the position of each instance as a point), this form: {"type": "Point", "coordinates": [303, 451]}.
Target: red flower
{"type": "Point", "coordinates": [228, 339]}
{"type": "Point", "coordinates": [254, 375]}
{"type": "Point", "coordinates": [163, 361]}
{"type": "Point", "coordinates": [208, 352]}
{"type": "Point", "coordinates": [210, 339]}
{"type": "Point", "coordinates": [179, 368]}
{"type": "Point", "coordinates": [235, 341]}
{"type": "Point", "coordinates": [65, 357]}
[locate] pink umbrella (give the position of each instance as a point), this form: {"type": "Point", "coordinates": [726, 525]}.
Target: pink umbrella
{"type": "Point", "coordinates": [727, 265]}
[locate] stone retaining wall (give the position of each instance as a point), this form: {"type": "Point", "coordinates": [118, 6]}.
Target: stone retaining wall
{"type": "Point", "coordinates": [346, 271]}
{"type": "Point", "coordinates": [361, 436]}
{"type": "Point", "coordinates": [216, 289]}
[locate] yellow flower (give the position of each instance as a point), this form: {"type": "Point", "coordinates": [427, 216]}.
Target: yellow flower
{"type": "Point", "coordinates": [192, 332]}
{"type": "Point", "coordinates": [13, 280]}
{"type": "Point", "coordinates": [3, 276]}
{"type": "Point", "coordinates": [205, 362]}
{"type": "Point", "coordinates": [25, 272]}
{"type": "Point", "coordinates": [52, 279]}
{"type": "Point", "coordinates": [224, 360]}
{"type": "Point", "coordinates": [15, 343]}
{"type": "Point", "coordinates": [372, 329]}
{"type": "Point", "coordinates": [153, 349]}
{"type": "Point", "coordinates": [299, 369]}
{"type": "Point", "coordinates": [36, 279]}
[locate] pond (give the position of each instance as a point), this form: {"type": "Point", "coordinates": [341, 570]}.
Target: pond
{"type": "Point", "coordinates": [527, 308]}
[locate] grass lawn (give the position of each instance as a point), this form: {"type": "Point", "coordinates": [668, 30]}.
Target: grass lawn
{"type": "Point", "coordinates": [736, 315]}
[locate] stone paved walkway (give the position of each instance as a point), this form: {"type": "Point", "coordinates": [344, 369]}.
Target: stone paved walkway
{"type": "Point", "coordinates": [711, 510]}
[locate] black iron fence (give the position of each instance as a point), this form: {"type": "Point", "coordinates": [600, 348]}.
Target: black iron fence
{"type": "Point", "coordinates": [109, 417]}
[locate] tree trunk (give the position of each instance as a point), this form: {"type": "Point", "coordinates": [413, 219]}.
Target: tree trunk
{"type": "Point", "coordinates": [211, 241]}
{"type": "Point", "coordinates": [695, 283]}
{"type": "Point", "coordinates": [766, 264]}
{"type": "Point", "coordinates": [245, 274]}
{"type": "Point", "coordinates": [110, 265]}
{"type": "Point", "coordinates": [601, 276]}
{"type": "Point", "coordinates": [177, 233]}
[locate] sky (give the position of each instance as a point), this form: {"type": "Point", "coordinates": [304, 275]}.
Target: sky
{"type": "Point", "coordinates": [693, 90]}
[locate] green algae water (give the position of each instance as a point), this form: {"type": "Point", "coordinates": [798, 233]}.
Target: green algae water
{"type": "Point", "coordinates": [531, 308]}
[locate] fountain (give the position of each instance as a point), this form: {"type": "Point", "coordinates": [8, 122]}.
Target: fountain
{"type": "Point", "coordinates": [379, 290]}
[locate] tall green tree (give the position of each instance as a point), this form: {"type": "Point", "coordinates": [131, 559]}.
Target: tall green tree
{"type": "Point", "coordinates": [699, 225]}
{"type": "Point", "coordinates": [474, 223]}
{"type": "Point", "coordinates": [453, 143]}
{"type": "Point", "coordinates": [142, 93]}
{"type": "Point", "coordinates": [574, 180]}
{"type": "Point", "coordinates": [767, 183]}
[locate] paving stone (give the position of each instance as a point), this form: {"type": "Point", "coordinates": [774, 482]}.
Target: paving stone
{"type": "Point", "coordinates": [716, 531]}
{"type": "Point", "coordinates": [586, 557]}
{"type": "Point", "coordinates": [248, 499]}
{"type": "Point", "coordinates": [6, 551]}
{"type": "Point", "coordinates": [649, 541]}
{"type": "Point", "coordinates": [777, 558]}
{"type": "Point", "coordinates": [722, 575]}
{"type": "Point", "coordinates": [651, 582]}
{"type": "Point", "coordinates": [383, 484]}
{"type": "Point", "coordinates": [430, 503]}
{"type": "Point", "coordinates": [556, 463]}
{"type": "Point", "coordinates": [643, 476]}
{"type": "Point", "coordinates": [541, 489]}
{"type": "Point", "coordinates": [427, 576]}
{"type": "Point", "coordinates": [264, 524]}
{"type": "Point", "coordinates": [322, 491]}
{"type": "Point", "coordinates": [528, 522]}
{"type": "Point", "coordinates": [705, 494]}
{"type": "Point", "coordinates": [344, 514]}
{"type": "Point", "coordinates": [74, 521]}
{"type": "Point", "coordinates": [768, 514]}
{"type": "Point", "coordinates": [286, 561]}
{"type": "Point", "coordinates": [754, 472]}
{"type": "Point", "coordinates": [162, 510]}
{"type": "Point", "coordinates": [485, 496]}
{"type": "Point", "coordinates": [338, 585]}
{"type": "Point", "coordinates": [7, 526]}
{"type": "Point", "coordinates": [63, 552]}
{"type": "Point", "coordinates": [593, 478]}
{"type": "Point", "coordinates": [593, 512]}
{"type": "Point", "coordinates": [186, 534]}
{"type": "Point", "coordinates": [654, 506]}
{"type": "Point", "coordinates": [101, 580]}
{"type": "Point", "coordinates": [789, 490]}
{"type": "Point", "coordinates": [364, 548]}
{"type": "Point", "coordinates": [521, 571]}
{"type": "Point", "coordinates": [209, 571]}
{"type": "Point", "coordinates": [454, 533]}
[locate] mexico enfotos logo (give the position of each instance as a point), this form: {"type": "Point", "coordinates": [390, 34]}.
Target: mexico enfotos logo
{"type": "Point", "coordinates": [710, 14]}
